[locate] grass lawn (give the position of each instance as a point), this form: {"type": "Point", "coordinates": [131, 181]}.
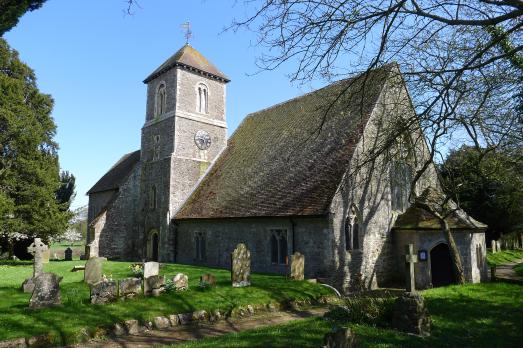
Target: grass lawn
{"type": "Point", "coordinates": [519, 269]}
{"type": "Point", "coordinates": [66, 323]}
{"type": "Point", "coordinates": [473, 315]}
{"type": "Point", "coordinates": [504, 256]}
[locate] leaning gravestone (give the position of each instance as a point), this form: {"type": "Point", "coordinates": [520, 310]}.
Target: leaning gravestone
{"type": "Point", "coordinates": [154, 285]}
{"type": "Point", "coordinates": [68, 254]}
{"type": "Point", "coordinates": [93, 270]}
{"type": "Point", "coordinates": [104, 292]}
{"type": "Point", "coordinates": [241, 266]}
{"type": "Point", "coordinates": [37, 249]}
{"type": "Point", "coordinates": [130, 287]}
{"type": "Point", "coordinates": [297, 266]}
{"type": "Point", "coordinates": [411, 315]}
{"type": "Point", "coordinates": [46, 292]}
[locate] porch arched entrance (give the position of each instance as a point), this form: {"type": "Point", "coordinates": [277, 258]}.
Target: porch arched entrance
{"type": "Point", "coordinates": [441, 265]}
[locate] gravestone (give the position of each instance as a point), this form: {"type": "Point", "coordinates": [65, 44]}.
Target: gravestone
{"type": "Point", "coordinates": [46, 291]}
{"type": "Point", "coordinates": [68, 254]}
{"type": "Point", "coordinates": [130, 287]}
{"type": "Point", "coordinates": [241, 266]}
{"type": "Point", "coordinates": [181, 282]}
{"type": "Point", "coordinates": [208, 278]}
{"type": "Point", "coordinates": [494, 245]}
{"type": "Point", "coordinates": [28, 285]}
{"type": "Point", "coordinates": [498, 245]}
{"type": "Point", "coordinates": [297, 266]}
{"type": "Point", "coordinates": [150, 269]}
{"type": "Point", "coordinates": [339, 338]}
{"type": "Point", "coordinates": [94, 270]}
{"type": "Point", "coordinates": [46, 255]}
{"type": "Point", "coordinates": [37, 249]}
{"type": "Point", "coordinates": [410, 315]}
{"type": "Point", "coordinates": [154, 285]}
{"type": "Point", "coordinates": [410, 260]}
{"type": "Point", "coordinates": [104, 292]}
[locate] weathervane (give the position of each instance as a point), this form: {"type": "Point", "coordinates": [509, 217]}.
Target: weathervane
{"type": "Point", "coordinates": [188, 33]}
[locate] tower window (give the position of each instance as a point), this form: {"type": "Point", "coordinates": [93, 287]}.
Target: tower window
{"type": "Point", "coordinates": [203, 98]}
{"type": "Point", "coordinates": [279, 252]}
{"type": "Point", "coordinates": [352, 230]}
{"type": "Point", "coordinates": [153, 202]}
{"type": "Point", "coordinates": [161, 100]}
{"type": "Point", "coordinates": [156, 147]}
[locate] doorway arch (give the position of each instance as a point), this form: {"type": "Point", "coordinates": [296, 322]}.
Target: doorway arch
{"type": "Point", "coordinates": [153, 246]}
{"type": "Point", "coordinates": [441, 265]}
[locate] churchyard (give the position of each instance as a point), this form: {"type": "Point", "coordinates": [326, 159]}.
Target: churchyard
{"type": "Point", "coordinates": [77, 317]}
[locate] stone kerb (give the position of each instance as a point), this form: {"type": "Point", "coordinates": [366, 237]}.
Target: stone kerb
{"type": "Point", "coordinates": [241, 266]}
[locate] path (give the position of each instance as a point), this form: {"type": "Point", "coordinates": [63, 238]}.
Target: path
{"type": "Point", "coordinates": [184, 333]}
{"type": "Point", "coordinates": [506, 272]}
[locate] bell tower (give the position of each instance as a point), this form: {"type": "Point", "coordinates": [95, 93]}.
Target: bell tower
{"type": "Point", "coordinates": [185, 129]}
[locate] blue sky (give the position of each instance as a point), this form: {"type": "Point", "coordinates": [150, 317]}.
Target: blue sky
{"type": "Point", "coordinates": [92, 58]}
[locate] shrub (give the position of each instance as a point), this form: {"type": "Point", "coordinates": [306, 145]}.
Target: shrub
{"type": "Point", "coordinates": [366, 309]}
{"type": "Point", "coordinates": [136, 270]}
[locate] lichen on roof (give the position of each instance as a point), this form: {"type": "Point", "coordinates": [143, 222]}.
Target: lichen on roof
{"type": "Point", "coordinates": [187, 56]}
{"type": "Point", "coordinates": [288, 159]}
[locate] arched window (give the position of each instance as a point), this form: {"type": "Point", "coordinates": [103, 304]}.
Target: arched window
{"type": "Point", "coordinates": [156, 147]}
{"type": "Point", "coordinates": [161, 100]}
{"type": "Point", "coordinates": [279, 252]}
{"type": "Point", "coordinates": [352, 230]}
{"type": "Point", "coordinates": [199, 244]}
{"type": "Point", "coordinates": [153, 245]}
{"type": "Point", "coordinates": [203, 98]}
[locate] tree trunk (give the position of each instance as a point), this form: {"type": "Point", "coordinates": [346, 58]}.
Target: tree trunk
{"type": "Point", "coordinates": [454, 252]}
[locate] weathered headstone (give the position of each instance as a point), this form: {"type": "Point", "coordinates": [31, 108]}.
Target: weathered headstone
{"type": "Point", "coordinates": [150, 269]}
{"type": "Point", "coordinates": [104, 292]}
{"type": "Point", "coordinates": [339, 338]}
{"type": "Point", "coordinates": [208, 278]}
{"type": "Point", "coordinates": [68, 254]}
{"type": "Point", "coordinates": [46, 291]}
{"type": "Point", "coordinates": [28, 285]}
{"type": "Point", "coordinates": [94, 270]}
{"type": "Point", "coordinates": [181, 282]}
{"type": "Point", "coordinates": [37, 249]}
{"type": "Point", "coordinates": [154, 285]}
{"type": "Point", "coordinates": [297, 266]}
{"type": "Point", "coordinates": [241, 266]}
{"type": "Point", "coordinates": [410, 260]}
{"type": "Point", "coordinates": [410, 315]}
{"type": "Point", "coordinates": [494, 245]}
{"type": "Point", "coordinates": [130, 287]}
{"type": "Point", "coordinates": [498, 245]}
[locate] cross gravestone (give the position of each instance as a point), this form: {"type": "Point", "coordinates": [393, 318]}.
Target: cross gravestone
{"type": "Point", "coordinates": [410, 260]}
{"type": "Point", "coordinates": [93, 270]}
{"type": "Point", "coordinates": [37, 249]}
{"type": "Point", "coordinates": [241, 266]}
{"type": "Point", "coordinates": [68, 254]}
{"type": "Point", "coordinates": [297, 266]}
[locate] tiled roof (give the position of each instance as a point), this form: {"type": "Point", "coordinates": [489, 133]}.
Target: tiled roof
{"type": "Point", "coordinates": [416, 217]}
{"type": "Point", "coordinates": [188, 57]}
{"type": "Point", "coordinates": [289, 159]}
{"type": "Point", "coordinates": [117, 174]}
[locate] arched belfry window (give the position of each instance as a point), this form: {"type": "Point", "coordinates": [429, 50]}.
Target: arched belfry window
{"type": "Point", "coordinates": [279, 252]}
{"type": "Point", "coordinates": [352, 230]}
{"type": "Point", "coordinates": [161, 100]}
{"type": "Point", "coordinates": [203, 98]}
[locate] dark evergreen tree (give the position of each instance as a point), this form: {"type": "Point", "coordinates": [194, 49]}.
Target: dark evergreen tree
{"type": "Point", "coordinates": [12, 10]}
{"type": "Point", "coordinates": [66, 191]}
{"type": "Point", "coordinates": [29, 170]}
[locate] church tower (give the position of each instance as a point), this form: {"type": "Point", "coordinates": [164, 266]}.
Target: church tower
{"type": "Point", "coordinates": [185, 129]}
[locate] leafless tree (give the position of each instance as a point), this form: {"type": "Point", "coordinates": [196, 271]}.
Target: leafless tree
{"type": "Point", "coordinates": [461, 60]}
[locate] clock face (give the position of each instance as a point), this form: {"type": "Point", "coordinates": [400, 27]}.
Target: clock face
{"type": "Point", "coordinates": [202, 140]}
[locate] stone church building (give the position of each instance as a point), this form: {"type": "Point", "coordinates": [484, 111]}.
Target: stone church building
{"type": "Point", "coordinates": [303, 175]}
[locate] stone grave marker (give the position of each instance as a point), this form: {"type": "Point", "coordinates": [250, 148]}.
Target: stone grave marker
{"type": "Point", "coordinates": [46, 291]}
{"type": "Point", "coordinates": [150, 269]}
{"type": "Point", "coordinates": [410, 259]}
{"type": "Point", "coordinates": [410, 315]}
{"type": "Point", "coordinates": [154, 285]}
{"type": "Point", "coordinates": [68, 254]}
{"type": "Point", "coordinates": [241, 266]}
{"type": "Point", "coordinates": [181, 282]}
{"type": "Point", "coordinates": [104, 292]}
{"type": "Point", "coordinates": [297, 266]}
{"type": "Point", "coordinates": [130, 287]}
{"type": "Point", "coordinates": [339, 338]}
{"type": "Point", "coordinates": [498, 245]}
{"type": "Point", "coordinates": [208, 278]}
{"type": "Point", "coordinates": [37, 249]}
{"type": "Point", "coordinates": [94, 270]}
{"type": "Point", "coordinates": [493, 244]}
